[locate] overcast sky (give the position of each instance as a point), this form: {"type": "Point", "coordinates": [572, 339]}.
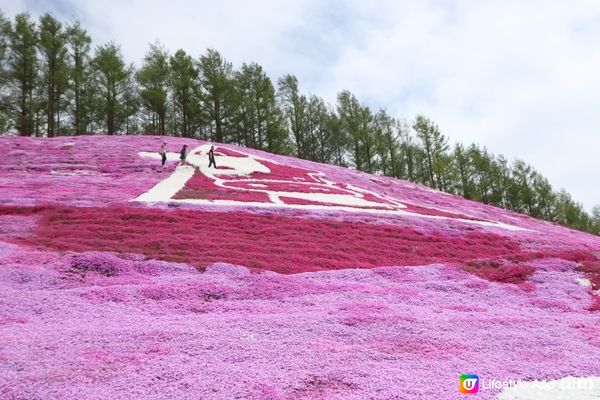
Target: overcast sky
{"type": "Point", "coordinates": [519, 77]}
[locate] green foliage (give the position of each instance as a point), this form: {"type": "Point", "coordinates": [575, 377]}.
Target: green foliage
{"type": "Point", "coordinates": [53, 48]}
{"type": "Point", "coordinates": [435, 146]}
{"type": "Point", "coordinates": [316, 130]}
{"type": "Point", "coordinates": [81, 90]}
{"type": "Point", "coordinates": [4, 46]}
{"type": "Point", "coordinates": [356, 122]}
{"type": "Point", "coordinates": [5, 29]}
{"type": "Point", "coordinates": [216, 93]}
{"type": "Point", "coordinates": [184, 88]}
{"type": "Point", "coordinates": [294, 106]}
{"type": "Point", "coordinates": [323, 132]}
{"type": "Point", "coordinates": [114, 81]}
{"type": "Point", "coordinates": [258, 121]}
{"type": "Point", "coordinates": [595, 219]}
{"type": "Point", "coordinates": [387, 144]}
{"type": "Point", "coordinates": [153, 78]}
{"type": "Point", "coordinates": [22, 73]}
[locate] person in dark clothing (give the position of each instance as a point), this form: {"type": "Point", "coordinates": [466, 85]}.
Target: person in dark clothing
{"type": "Point", "coordinates": [211, 157]}
{"type": "Point", "coordinates": [163, 153]}
{"type": "Point", "coordinates": [183, 154]}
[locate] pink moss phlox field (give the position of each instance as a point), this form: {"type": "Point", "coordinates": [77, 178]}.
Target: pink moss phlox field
{"type": "Point", "coordinates": [303, 335]}
{"type": "Point", "coordinates": [267, 242]}
{"type": "Point", "coordinates": [202, 187]}
{"type": "Point", "coordinates": [102, 297]}
{"type": "Point", "coordinates": [283, 178]}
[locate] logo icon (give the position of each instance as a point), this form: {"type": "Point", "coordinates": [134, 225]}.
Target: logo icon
{"type": "Point", "coordinates": [469, 384]}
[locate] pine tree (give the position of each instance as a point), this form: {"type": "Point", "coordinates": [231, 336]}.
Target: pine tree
{"type": "Point", "coordinates": [113, 80]}
{"type": "Point", "coordinates": [481, 161]}
{"type": "Point", "coordinates": [80, 78]}
{"type": "Point", "coordinates": [464, 184]}
{"type": "Point", "coordinates": [52, 45]}
{"type": "Point", "coordinates": [216, 83]}
{"type": "Point", "coordinates": [521, 193]}
{"type": "Point", "coordinates": [387, 143]}
{"type": "Point", "coordinates": [258, 119]}
{"type": "Point", "coordinates": [22, 72]}
{"type": "Point", "coordinates": [408, 152]}
{"type": "Point", "coordinates": [356, 121]}
{"type": "Point", "coordinates": [153, 78]}
{"type": "Point", "coordinates": [5, 29]}
{"type": "Point", "coordinates": [595, 219]}
{"type": "Point", "coordinates": [544, 197]}
{"type": "Point", "coordinates": [294, 105]}
{"type": "Point", "coordinates": [318, 138]}
{"type": "Point", "coordinates": [183, 85]}
{"type": "Point", "coordinates": [435, 146]}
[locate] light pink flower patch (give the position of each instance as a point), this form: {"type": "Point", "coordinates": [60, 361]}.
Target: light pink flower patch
{"type": "Point", "coordinates": [102, 297]}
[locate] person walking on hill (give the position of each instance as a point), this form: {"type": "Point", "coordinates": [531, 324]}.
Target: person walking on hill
{"type": "Point", "coordinates": [183, 154]}
{"type": "Point", "coordinates": [211, 157]}
{"type": "Point", "coordinates": [163, 153]}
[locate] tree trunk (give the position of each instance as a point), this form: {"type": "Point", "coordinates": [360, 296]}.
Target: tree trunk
{"type": "Point", "coordinates": [219, 132]}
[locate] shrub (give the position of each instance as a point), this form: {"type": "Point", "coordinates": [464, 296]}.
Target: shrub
{"type": "Point", "coordinates": [102, 263]}
{"type": "Point", "coordinates": [497, 271]}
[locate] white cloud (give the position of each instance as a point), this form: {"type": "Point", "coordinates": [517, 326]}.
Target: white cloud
{"type": "Point", "coordinates": [517, 77]}
{"type": "Point", "coordinates": [520, 77]}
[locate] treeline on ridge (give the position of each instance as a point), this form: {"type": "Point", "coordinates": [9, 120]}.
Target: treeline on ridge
{"type": "Point", "coordinates": [53, 83]}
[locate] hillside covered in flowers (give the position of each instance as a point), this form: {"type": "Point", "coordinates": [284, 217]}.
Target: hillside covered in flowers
{"type": "Point", "coordinates": [271, 277]}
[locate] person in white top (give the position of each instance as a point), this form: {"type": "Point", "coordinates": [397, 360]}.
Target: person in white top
{"type": "Point", "coordinates": [163, 153]}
